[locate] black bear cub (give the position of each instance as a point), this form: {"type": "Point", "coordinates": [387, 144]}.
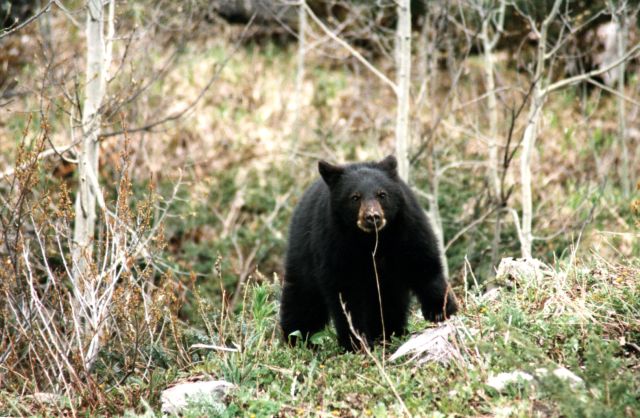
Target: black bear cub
{"type": "Point", "coordinates": [329, 259]}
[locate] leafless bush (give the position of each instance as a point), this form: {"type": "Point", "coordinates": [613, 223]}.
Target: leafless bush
{"type": "Point", "coordinates": [58, 328]}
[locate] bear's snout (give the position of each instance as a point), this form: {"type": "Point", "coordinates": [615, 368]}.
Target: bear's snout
{"type": "Point", "coordinates": [371, 216]}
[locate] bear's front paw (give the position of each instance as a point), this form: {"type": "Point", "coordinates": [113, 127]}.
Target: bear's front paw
{"type": "Point", "coordinates": [434, 316]}
{"type": "Point", "coordinates": [441, 312]}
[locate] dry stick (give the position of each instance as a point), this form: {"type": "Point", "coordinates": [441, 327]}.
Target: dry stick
{"type": "Point", "coordinates": [375, 271]}
{"type": "Point", "coordinates": [366, 349]}
{"type": "Point", "coordinates": [489, 42]}
{"type": "Point", "coordinates": [302, 17]}
{"type": "Point", "coordinates": [54, 348]}
{"type": "Point", "coordinates": [225, 307]}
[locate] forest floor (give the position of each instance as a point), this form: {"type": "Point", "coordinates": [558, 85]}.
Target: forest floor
{"type": "Point", "coordinates": [581, 317]}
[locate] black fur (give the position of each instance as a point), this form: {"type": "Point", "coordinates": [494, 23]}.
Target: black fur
{"type": "Point", "coordinates": [330, 255]}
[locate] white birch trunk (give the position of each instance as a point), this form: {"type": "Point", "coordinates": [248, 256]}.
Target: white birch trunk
{"type": "Point", "coordinates": [531, 133]}
{"type": "Point", "coordinates": [403, 68]}
{"type": "Point", "coordinates": [621, 44]}
{"type": "Point", "coordinates": [298, 100]}
{"type": "Point", "coordinates": [492, 107]}
{"type": "Point", "coordinates": [98, 62]}
{"type": "Point", "coordinates": [422, 67]}
{"type": "Point", "coordinates": [488, 44]}
{"type": "Point", "coordinates": [528, 144]}
{"type": "Point", "coordinates": [302, 28]}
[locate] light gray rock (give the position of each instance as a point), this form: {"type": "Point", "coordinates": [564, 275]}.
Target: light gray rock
{"type": "Point", "coordinates": [522, 270]}
{"type": "Point", "coordinates": [433, 344]}
{"type": "Point", "coordinates": [500, 381]}
{"type": "Point", "coordinates": [562, 373]}
{"type": "Point", "coordinates": [177, 397]}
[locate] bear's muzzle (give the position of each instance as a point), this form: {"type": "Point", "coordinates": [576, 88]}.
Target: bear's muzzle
{"type": "Point", "coordinates": [371, 216]}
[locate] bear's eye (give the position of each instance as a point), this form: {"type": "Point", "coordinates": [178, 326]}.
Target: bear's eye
{"type": "Point", "coordinates": [355, 197]}
{"type": "Point", "coordinates": [382, 194]}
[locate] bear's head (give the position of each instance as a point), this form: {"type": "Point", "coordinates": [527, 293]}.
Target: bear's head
{"type": "Point", "coordinates": [367, 196]}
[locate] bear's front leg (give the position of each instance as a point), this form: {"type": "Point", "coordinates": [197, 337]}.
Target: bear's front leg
{"type": "Point", "coordinates": [433, 291]}
{"type": "Point", "coordinates": [346, 337]}
{"type": "Point", "coordinates": [301, 309]}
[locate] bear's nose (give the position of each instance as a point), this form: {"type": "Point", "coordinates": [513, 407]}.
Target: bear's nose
{"type": "Point", "coordinates": [373, 218]}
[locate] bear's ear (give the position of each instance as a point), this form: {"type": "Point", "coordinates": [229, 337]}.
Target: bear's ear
{"type": "Point", "coordinates": [390, 165]}
{"type": "Point", "coordinates": [330, 173]}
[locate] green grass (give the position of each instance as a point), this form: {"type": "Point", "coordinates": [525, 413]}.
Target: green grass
{"type": "Point", "coordinates": [581, 318]}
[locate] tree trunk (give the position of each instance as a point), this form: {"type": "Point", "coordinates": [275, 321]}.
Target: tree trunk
{"type": "Point", "coordinates": [528, 143]}
{"type": "Point", "coordinates": [621, 44]}
{"type": "Point", "coordinates": [298, 100]}
{"type": "Point", "coordinates": [492, 107]}
{"type": "Point", "coordinates": [98, 61]}
{"type": "Point", "coordinates": [302, 28]}
{"type": "Point", "coordinates": [488, 44]}
{"type": "Point", "coordinates": [403, 68]}
{"type": "Point", "coordinates": [531, 132]}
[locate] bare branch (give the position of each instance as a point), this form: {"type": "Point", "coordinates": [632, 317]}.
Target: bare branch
{"type": "Point", "coordinates": [468, 227]}
{"type": "Point", "coordinates": [583, 77]}
{"type": "Point", "coordinates": [148, 127]}
{"type": "Point", "coordinates": [68, 13]}
{"type": "Point", "coordinates": [612, 91]}
{"type": "Point", "coordinates": [352, 51]}
{"type": "Point", "coordinates": [9, 31]}
{"type": "Point", "coordinates": [563, 40]}
{"type": "Point", "coordinates": [44, 154]}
